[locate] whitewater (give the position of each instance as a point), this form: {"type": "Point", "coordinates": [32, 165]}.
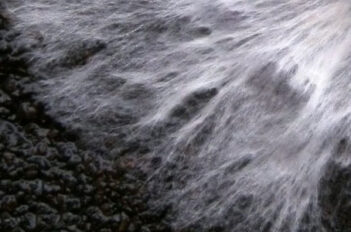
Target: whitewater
{"type": "Point", "coordinates": [238, 112]}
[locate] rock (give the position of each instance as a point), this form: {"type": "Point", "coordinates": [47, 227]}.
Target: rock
{"type": "Point", "coordinates": [51, 188]}
{"type": "Point", "coordinates": [96, 215]}
{"type": "Point", "coordinates": [73, 204]}
{"type": "Point", "coordinates": [49, 219]}
{"type": "Point", "coordinates": [40, 161]}
{"type": "Point", "coordinates": [8, 157]}
{"type": "Point", "coordinates": [41, 148]}
{"type": "Point", "coordinates": [22, 186]}
{"type": "Point", "coordinates": [124, 222]}
{"type": "Point", "coordinates": [47, 181]}
{"type": "Point", "coordinates": [202, 31]}
{"type": "Point", "coordinates": [27, 112]}
{"type": "Point", "coordinates": [4, 98]}
{"type": "Point", "coordinates": [10, 223]}
{"type": "Point", "coordinates": [4, 112]}
{"type": "Point", "coordinates": [29, 222]}
{"type": "Point", "coordinates": [8, 203]}
{"type": "Point", "coordinates": [70, 218]}
{"type": "Point", "coordinates": [335, 197]}
{"type": "Point", "coordinates": [20, 210]}
{"type": "Point", "coordinates": [36, 187]}
{"type": "Point", "coordinates": [42, 208]}
{"type": "Point", "coordinates": [31, 172]}
{"type": "Point", "coordinates": [74, 160]}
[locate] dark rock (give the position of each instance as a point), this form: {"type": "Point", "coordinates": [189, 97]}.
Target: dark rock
{"type": "Point", "coordinates": [36, 187]}
{"type": "Point", "coordinates": [73, 204]}
{"type": "Point", "coordinates": [51, 188]}
{"type": "Point", "coordinates": [41, 148]}
{"type": "Point", "coordinates": [96, 215]}
{"type": "Point", "coordinates": [74, 160]}
{"type": "Point", "coordinates": [41, 161]}
{"type": "Point", "coordinates": [4, 112]}
{"type": "Point", "coordinates": [70, 218]}
{"type": "Point", "coordinates": [10, 223]}
{"type": "Point", "coordinates": [43, 208]}
{"type": "Point", "coordinates": [29, 222]}
{"type": "Point", "coordinates": [335, 196]}
{"type": "Point", "coordinates": [8, 203]}
{"type": "Point", "coordinates": [20, 210]}
{"type": "Point", "coordinates": [202, 31]}
{"type": "Point", "coordinates": [22, 186]}
{"type": "Point", "coordinates": [31, 172]}
{"type": "Point", "coordinates": [47, 183]}
{"type": "Point", "coordinates": [27, 112]}
{"type": "Point", "coordinates": [4, 98]}
{"type": "Point", "coordinates": [49, 219]}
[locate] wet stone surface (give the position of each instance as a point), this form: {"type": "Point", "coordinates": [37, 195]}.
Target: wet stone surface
{"type": "Point", "coordinates": [47, 182]}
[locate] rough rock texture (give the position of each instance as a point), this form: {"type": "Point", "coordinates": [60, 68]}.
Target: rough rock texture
{"type": "Point", "coordinates": [47, 182]}
{"type": "Point", "coordinates": [335, 190]}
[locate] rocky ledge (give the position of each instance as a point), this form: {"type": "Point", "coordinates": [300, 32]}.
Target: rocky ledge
{"type": "Point", "coordinates": [47, 181]}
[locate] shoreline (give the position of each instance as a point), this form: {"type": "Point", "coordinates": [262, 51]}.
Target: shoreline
{"type": "Point", "coordinates": [48, 181]}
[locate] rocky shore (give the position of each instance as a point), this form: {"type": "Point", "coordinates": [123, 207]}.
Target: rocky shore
{"type": "Point", "coordinates": [47, 181]}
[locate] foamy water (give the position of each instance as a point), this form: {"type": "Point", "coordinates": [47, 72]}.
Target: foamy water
{"type": "Point", "coordinates": [233, 108]}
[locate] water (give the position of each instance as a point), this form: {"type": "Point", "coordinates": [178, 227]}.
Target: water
{"type": "Point", "coordinates": [234, 109]}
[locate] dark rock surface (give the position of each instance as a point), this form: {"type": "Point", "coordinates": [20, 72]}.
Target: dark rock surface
{"type": "Point", "coordinates": [335, 190]}
{"type": "Point", "coordinates": [48, 182]}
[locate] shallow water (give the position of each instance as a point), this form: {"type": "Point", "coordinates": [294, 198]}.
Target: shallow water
{"type": "Point", "coordinates": [234, 109]}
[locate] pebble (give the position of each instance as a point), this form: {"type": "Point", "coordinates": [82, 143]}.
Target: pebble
{"type": "Point", "coordinates": [27, 111]}
{"type": "Point", "coordinates": [47, 182]}
{"type": "Point", "coordinates": [29, 221]}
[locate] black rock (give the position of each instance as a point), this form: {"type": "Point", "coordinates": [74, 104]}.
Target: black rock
{"type": "Point", "coordinates": [27, 112]}
{"type": "Point", "coordinates": [29, 222]}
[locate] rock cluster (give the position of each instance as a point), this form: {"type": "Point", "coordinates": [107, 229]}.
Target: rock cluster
{"type": "Point", "coordinates": [47, 182]}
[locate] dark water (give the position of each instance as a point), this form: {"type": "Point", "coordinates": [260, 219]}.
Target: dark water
{"type": "Point", "coordinates": [236, 110]}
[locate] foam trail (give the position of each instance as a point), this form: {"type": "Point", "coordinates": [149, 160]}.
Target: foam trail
{"type": "Point", "coordinates": [234, 109]}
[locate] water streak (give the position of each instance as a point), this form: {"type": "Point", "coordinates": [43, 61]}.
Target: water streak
{"type": "Point", "coordinates": [233, 108]}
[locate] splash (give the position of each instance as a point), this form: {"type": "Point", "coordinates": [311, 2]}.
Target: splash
{"type": "Point", "coordinates": [234, 109]}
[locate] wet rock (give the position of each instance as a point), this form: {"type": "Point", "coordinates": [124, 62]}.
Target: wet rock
{"type": "Point", "coordinates": [4, 112]}
{"type": "Point", "coordinates": [40, 161]}
{"type": "Point", "coordinates": [31, 172]}
{"type": "Point", "coordinates": [79, 52]}
{"type": "Point", "coordinates": [73, 204]}
{"type": "Point", "coordinates": [47, 183]}
{"type": "Point", "coordinates": [8, 203]}
{"type": "Point", "coordinates": [10, 223]}
{"type": "Point", "coordinates": [49, 219]}
{"type": "Point", "coordinates": [124, 222]}
{"type": "Point", "coordinates": [20, 210]}
{"type": "Point", "coordinates": [202, 31]}
{"type": "Point", "coordinates": [335, 197]}
{"type": "Point", "coordinates": [36, 187]}
{"type": "Point", "coordinates": [41, 148]}
{"type": "Point", "coordinates": [193, 103]}
{"type": "Point", "coordinates": [96, 215]}
{"type": "Point", "coordinates": [74, 160]}
{"type": "Point", "coordinates": [27, 112]}
{"type": "Point", "coordinates": [29, 222]}
{"type": "Point", "coordinates": [51, 188]}
{"type": "Point", "coordinates": [70, 218]}
{"type": "Point", "coordinates": [4, 98]}
{"type": "Point", "coordinates": [42, 208]}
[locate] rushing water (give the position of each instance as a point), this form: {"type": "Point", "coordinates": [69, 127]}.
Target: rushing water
{"type": "Point", "coordinates": [234, 109]}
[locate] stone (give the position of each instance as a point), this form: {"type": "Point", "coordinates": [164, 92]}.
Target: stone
{"type": "Point", "coordinates": [27, 111]}
{"type": "Point", "coordinates": [29, 221]}
{"type": "Point", "coordinates": [4, 98]}
{"type": "Point", "coordinates": [70, 218]}
{"type": "Point", "coordinates": [40, 161]}
{"type": "Point", "coordinates": [8, 203]}
{"type": "Point", "coordinates": [22, 209]}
